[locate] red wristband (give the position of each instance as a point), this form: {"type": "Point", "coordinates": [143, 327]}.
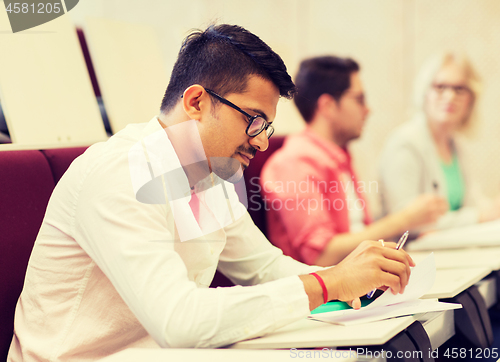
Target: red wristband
{"type": "Point", "coordinates": [323, 286]}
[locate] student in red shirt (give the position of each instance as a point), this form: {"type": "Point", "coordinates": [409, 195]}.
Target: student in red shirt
{"type": "Point", "coordinates": [317, 212]}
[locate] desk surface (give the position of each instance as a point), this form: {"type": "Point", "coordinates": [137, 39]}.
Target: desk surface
{"type": "Point", "coordinates": [308, 333]}
{"type": "Point", "coordinates": [482, 234]}
{"type": "Point", "coordinates": [459, 258]}
{"type": "Point", "coordinates": [451, 282]}
{"type": "Point", "coordinates": [219, 355]}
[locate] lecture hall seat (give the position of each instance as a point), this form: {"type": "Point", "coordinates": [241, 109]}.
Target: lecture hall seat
{"type": "Point", "coordinates": [60, 158]}
{"type": "Point", "coordinates": [26, 183]}
{"type": "Point", "coordinates": [252, 178]}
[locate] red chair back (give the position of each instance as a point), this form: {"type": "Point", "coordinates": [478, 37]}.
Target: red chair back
{"type": "Point", "coordinates": [26, 184]}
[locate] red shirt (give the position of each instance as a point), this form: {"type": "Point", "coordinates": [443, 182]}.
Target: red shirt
{"type": "Point", "coordinates": [305, 196]}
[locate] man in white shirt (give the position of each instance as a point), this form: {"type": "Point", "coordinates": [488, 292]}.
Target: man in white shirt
{"type": "Point", "coordinates": [136, 228]}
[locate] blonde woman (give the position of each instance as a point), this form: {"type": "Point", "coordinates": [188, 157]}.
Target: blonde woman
{"type": "Point", "coordinates": [423, 156]}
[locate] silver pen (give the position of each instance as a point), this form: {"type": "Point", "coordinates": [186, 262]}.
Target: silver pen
{"type": "Point", "coordinates": [399, 245]}
{"type": "Point", "coordinates": [402, 240]}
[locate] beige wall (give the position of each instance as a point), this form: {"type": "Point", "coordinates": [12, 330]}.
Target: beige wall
{"type": "Point", "coordinates": [390, 39]}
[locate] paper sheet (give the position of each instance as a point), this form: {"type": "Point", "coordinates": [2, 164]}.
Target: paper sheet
{"type": "Point", "coordinates": [422, 279]}
{"type": "Point", "coordinates": [388, 305]}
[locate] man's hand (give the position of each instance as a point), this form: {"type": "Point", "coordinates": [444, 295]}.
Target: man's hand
{"type": "Point", "coordinates": [370, 266]}
{"type": "Point", "coordinates": [490, 210]}
{"type": "Point", "coordinates": [425, 209]}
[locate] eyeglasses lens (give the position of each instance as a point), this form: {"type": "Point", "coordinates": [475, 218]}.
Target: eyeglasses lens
{"type": "Point", "coordinates": [257, 126]}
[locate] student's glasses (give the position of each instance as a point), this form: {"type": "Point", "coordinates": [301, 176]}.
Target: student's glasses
{"type": "Point", "coordinates": [359, 98]}
{"type": "Point", "coordinates": [459, 90]}
{"type": "Point", "coordinates": [256, 124]}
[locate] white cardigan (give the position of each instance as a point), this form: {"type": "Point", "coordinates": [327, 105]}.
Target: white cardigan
{"type": "Point", "coordinates": [409, 166]}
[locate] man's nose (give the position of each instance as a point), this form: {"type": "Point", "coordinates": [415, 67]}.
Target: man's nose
{"type": "Point", "coordinates": [260, 142]}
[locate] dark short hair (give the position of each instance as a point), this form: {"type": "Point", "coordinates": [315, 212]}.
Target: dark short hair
{"type": "Point", "coordinates": [320, 75]}
{"type": "Point", "coordinates": [222, 58]}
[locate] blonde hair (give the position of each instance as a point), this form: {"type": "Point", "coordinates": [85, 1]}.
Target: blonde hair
{"type": "Point", "coordinates": [426, 76]}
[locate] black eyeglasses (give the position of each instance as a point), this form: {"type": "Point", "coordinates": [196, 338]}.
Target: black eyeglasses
{"type": "Point", "coordinates": [256, 124]}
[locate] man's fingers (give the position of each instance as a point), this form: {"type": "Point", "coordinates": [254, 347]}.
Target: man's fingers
{"type": "Point", "coordinates": [396, 255]}
{"type": "Point", "coordinates": [383, 267]}
{"type": "Point", "coordinates": [410, 260]}
{"type": "Point", "coordinates": [390, 245]}
{"type": "Point", "coordinates": [399, 255]}
{"type": "Point", "coordinates": [356, 303]}
{"type": "Point", "coordinates": [391, 281]}
{"type": "Point", "coordinates": [397, 263]}
{"type": "Point", "coordinates": [399, 270]}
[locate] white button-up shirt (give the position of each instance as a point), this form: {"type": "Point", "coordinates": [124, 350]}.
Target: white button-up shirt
{"type": "Point", "coordinates": [109, 272]}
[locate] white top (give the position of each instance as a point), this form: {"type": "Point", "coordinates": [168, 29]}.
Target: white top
{"type": "Point", "coordinates": [409, 167]}
{"type": "Point", "coordinates": [109, 272]}
{"type": "Point", "coordinates": [354, 204]}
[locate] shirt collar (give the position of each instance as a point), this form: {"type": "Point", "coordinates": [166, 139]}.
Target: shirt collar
{"type": "Point", "coordinates": [339, 154]}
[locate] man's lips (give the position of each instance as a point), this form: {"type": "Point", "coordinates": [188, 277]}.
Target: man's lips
{"type": "Point", "coordinates": [246, 158]}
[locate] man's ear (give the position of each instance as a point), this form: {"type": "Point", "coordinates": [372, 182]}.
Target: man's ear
{"type": "Point", "coordinates": [194, 100]}
{"type": "Point", "coordinates": [327, 104]}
